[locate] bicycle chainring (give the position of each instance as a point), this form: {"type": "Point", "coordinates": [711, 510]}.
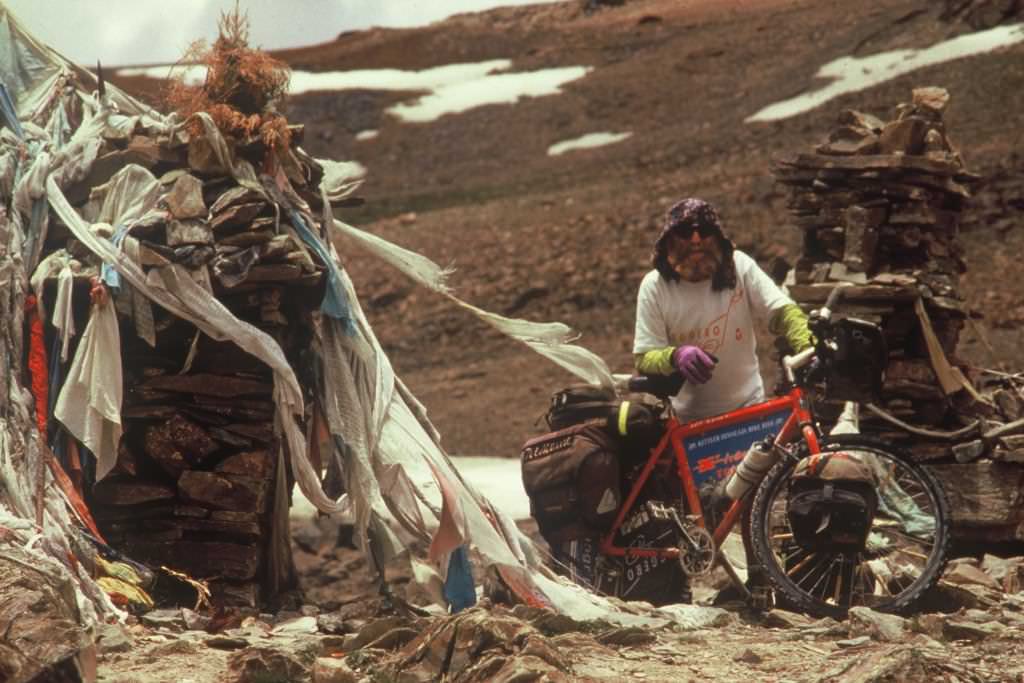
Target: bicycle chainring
{"type": "Point", "coordinates": [696, 554]}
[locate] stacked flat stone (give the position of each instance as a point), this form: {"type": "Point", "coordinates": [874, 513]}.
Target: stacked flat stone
{"type": "Point", "coordinates": [880, 204]}
{"type": "Point", "coordinates": [193, 488]}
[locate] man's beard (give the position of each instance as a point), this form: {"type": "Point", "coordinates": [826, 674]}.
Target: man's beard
{"type": "Point", "coordinates": [698, 270]}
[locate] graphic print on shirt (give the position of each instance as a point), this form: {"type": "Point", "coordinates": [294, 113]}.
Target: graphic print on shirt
{"type": "Point", "coordinates": [713, 336]}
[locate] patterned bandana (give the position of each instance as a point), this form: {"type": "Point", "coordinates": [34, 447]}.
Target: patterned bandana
{"type": "Point", "coordinates": [699, 262]}
{"type": "Point", "coordinates": [694, 214]}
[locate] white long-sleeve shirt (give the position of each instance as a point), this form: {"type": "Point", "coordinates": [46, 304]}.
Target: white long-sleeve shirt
{"type": "Point", "coordinates": [721, 323]}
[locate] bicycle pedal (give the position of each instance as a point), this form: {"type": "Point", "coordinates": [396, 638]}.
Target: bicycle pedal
{"type": "Point", "coordinates": [761, 598]}
{"type": "Point", "coordinates": [658, 511]}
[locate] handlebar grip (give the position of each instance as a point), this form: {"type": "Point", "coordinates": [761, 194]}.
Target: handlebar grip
{"type": "Point", "coordinates": [661, 386]}
{"type": "Point", "coordinates": [834, 296]}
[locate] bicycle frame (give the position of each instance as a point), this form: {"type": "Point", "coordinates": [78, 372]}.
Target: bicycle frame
{"type": "Point", "coordinates": [799, 423]}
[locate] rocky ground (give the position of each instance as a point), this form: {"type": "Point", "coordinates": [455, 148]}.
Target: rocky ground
{"type": "Point", "coordinates": [567, 238]}
{"type": "Point", "coordinates": [519, 644]}
{"type": "Point", "coordinates": [341, 631]}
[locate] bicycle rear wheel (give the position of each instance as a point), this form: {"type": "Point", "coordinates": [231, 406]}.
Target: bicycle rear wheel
{"type": "Point", "coordinates": [904, 553]}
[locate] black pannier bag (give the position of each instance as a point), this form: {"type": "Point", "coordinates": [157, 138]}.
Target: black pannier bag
{"type": "Point", "coordinates": [856, 367]}
{"type": "Point", "coordinates": [572, 478]}
{"type": "Point", "coordinates": [832, 503]}
{"type": "Point", "coordinates": [655, 580]}
{"type": "Point", "coordinates": [659, 581]}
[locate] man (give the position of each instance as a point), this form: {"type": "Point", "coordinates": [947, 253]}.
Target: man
{"type": "Point", "coordinates": [695, 314]}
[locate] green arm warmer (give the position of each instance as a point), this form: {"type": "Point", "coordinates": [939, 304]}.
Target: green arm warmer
{"type": "Point", "coordinates": [791, 322]}
{"type": "Point", "coordinates": [656, 362]}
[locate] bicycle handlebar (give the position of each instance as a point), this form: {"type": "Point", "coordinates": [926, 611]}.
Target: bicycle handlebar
{"type": "Point", "coordinates": [834, 296]}
{"type": "Point", "coordinates": [661, 386]}
{"type": "Point", "coordinates": [820, 323]}
{"type": "Point", "coordinates": [825, 312]}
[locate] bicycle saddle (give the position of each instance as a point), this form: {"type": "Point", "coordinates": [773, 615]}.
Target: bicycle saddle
{"type": "Point", "coordinates": [660, 386]}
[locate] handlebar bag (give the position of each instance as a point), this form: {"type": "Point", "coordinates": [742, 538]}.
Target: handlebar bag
{"type": "Point", "coordinates": [572, 477]}
{"type": "Point", "coordinates": [857, 364]}
{"type": "Point", "coordinates": [636, 425]}
{"type": "Point", "coordinates": [579, 403]}
{"type": "Point", "coordinates": [831, 503]}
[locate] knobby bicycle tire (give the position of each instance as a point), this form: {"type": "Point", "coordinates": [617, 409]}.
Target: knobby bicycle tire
{"type": "Point", "coordinates": [790, 591]}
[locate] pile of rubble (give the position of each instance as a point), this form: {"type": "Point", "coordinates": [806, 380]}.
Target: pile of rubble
{"type": "Point", "coordinates": [224, 356]}
{"type": "Point", "coordinates": [982, 14]}
{"type": "Point", "coordinates": [880, 205]}
{"type": "Point", "coordinates": [976, 637]}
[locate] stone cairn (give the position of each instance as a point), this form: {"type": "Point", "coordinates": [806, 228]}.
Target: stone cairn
{"type": "Point", "coordinates": [193, 486]}
{"type": "Point", "coordinates": [879, 204]}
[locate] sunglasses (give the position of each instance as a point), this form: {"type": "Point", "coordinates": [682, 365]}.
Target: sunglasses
{"type": "Point", "coordinates": [686, 231]}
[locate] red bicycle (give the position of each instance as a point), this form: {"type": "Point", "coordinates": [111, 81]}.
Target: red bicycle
{"type": "Point", "coordinates": [834, 521]}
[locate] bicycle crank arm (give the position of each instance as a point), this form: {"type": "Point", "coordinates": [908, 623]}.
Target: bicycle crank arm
{"type": "Point", "coordinates": [697, 549]}
{"type": "Point", "coordinates": [694, 546]}
{"type": "Point", "coordinates": [668, 513]}
{"type": "Point", "coordinates": [723, 561]}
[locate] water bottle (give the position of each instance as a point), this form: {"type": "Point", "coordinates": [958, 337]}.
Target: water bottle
{"type": "Point", "coordinates": [759, 458]}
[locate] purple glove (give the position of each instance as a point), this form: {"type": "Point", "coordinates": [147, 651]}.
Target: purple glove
{"type": "Point", "coordinates": [693, 363]}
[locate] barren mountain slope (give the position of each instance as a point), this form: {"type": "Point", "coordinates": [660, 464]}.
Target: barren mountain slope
{"type": "Point", "coordinates": [567, 237]}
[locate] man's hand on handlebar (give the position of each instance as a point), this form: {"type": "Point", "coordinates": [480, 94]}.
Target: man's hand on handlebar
{"type": "Point", "coordinates": [693, 363]}
{"type": "Point", "coordinates": [819, 319]}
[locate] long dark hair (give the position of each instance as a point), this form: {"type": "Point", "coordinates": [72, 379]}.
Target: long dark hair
{"type": "Point", "coordinates": [683, 218]}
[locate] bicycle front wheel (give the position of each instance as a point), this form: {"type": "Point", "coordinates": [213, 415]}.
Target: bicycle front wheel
{"type": "Point", "coordinates": [899, 555]}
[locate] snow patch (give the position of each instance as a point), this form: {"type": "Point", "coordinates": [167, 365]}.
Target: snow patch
{"type": "Point", "coordinates": [587, 141]}
{"type": "Point", "coordinates": [367, 134]}
{"type": "Point", "coordinates": [499, 480]}
{"type": "Point", "coordinates": [192, 74]}
{"type": "Point", "coordinates": [394, 79]}
{"type": "Point", "coordinates": [505, 88]}
{"type": "Point", "coordinates": [450, 89]}
{"type": "Point", "coordinates": [850, 74]}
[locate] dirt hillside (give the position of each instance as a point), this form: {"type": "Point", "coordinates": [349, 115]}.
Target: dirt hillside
{"type": "Point", "coordinates": [567, 237]}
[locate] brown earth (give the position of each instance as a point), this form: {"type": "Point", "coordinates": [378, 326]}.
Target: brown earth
{"type": "Point", "coordinates": [567, 237]}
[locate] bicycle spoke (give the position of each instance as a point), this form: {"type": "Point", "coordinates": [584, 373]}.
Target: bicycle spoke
{"type": "Point", "coordinates": [802, 564]}
{"type": "Point", "coordinates": [919, 556]}
{"type": "Point", "coordinates": [819, 571]}
{"type": "Point", "coordinates": [868, 582]}
{"type": "Point", "coordinates": [881, 585]}
{"type": "Point", "coordinates": [917, 540]}
{"type": "Point", "coordinates": [907, 480]}
{"type": "Point", "coordinates": [844, 593]}
{"type": "Point", "coordinates": [857, 580]}
{"type": "Point", "coordinates": [903, 553]}
{"type": "Point", "coordinates": [825, 574]}
{"type": "Point", "coordinates": [797, 550]}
